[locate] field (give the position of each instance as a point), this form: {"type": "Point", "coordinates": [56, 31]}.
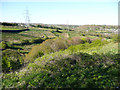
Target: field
{"type": "Point", "coordinates": [53, 57]}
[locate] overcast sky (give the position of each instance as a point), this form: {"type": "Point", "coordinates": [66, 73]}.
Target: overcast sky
{"type": "Point", "coordinates": [76, 12]}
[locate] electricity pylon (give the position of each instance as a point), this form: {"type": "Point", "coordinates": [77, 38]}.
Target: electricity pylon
{"type": "Point", "coordinates": [67, 25]}
{"type": "Point", "coordinates": [27, 19]}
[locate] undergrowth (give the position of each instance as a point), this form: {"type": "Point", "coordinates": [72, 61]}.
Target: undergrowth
{"type": "Point", "coordinates": [71, 68]}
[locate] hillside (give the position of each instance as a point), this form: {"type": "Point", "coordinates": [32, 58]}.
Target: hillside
{"type": "Point", "coordinates": [78, 68]}
{"type": "Point", "coordinates": [52, 57]}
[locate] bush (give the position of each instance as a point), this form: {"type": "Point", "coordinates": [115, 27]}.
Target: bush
{"type": "Point", "coordinates": [59, 44]}
{"type": "Point", "coordinates": [25, 42]}
{"type": "Point", "coordinates": [75, 40]}
{"type": "Point", "coordinates": [46, 37]}
{"type": "Point", "coordinates": [83, 34]}
{"type": "Point", "coordinates": [98, 42]}
{"type": "Point", "coordinates": [53, 45]}
{"type": "Point", "coordinates": [78, 40]}
{"type": "Point", "coordinates": [4, 45]}
{"type": "Point", "coordinates": [11, 60]}
{"type": "Point", "coordinates": [38, 54]}
{"type": "Point", "coordinates": [80, 70]}
{"type": "Point", "coordinates": [88, 40]}
{"type": "Point", "coordinates": [116, 38]}
{"type": "Point", "coordinates": [39, 50]}
{"type": "Point", "coordinates": [83, 40]}
{"type": "Point", "coordinates": [46, 47]}
{"type": "Point", "coordinates": [36, 40]}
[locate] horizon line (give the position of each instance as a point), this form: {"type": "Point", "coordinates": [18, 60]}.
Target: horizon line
{"type": "Point", "coordinates": [56, 24]}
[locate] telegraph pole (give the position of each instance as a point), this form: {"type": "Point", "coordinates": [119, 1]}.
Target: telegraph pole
{"type": "Point", "coordinates": [27, 19]}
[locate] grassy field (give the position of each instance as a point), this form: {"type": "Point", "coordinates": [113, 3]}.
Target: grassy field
{"type": "Point", "coordinates": [9, 29]}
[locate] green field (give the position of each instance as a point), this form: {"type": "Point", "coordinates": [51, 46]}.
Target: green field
{"type": "Point", "coordinates": [9, 29]}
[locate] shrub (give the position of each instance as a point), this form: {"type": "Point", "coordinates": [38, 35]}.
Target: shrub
{"type": "Point", "coordinates": [46, 47]}
{"type": "Point", "coordinates": [24, 42]}
{"type": "Point", "coordinates": [4, 45]}
{"type": "Point", "coordinates": [39, 54]}
{"type": "Point", "coordinates": [75, 40]}
{"type": "Point", "coordinates": [116, 38]}
{"type": "Point", "coordinates": [59, 44]}
{"type": "Point", "coordinates": [83, 40]}
{"type": "Point", "coordinates": [46, 37]}
{"type": "Point", "coordinates": [83, 34]}
{"type": "Point", "coordinates": [36, 40]}
{"type": "Point", "coordinates": [53, 45]}
{"type": "Point", "coordinates": [34, 53]}
{"type": "Point", "coordinates": [10, 44]}
{"type": "Point", "coordinates": [88, 40]}
{"type": "Point", "coordinates": [98, 42]}
{"type": "Point", "coordinates": [69, 42]}
{"type": "Point", "coordinates": [39, 50]}
{"type": "Point", "coordinates": [11, 60]}
{"type": "Point", "coordinates": [78, 40]}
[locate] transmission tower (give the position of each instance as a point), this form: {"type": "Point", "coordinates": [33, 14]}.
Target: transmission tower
{"type": "Point", "coordinates": [27, 19]}
{"type": "Point", "coordinates": [67, 25]}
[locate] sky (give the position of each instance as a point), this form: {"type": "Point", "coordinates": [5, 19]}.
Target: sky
{"type": "Point", "coordinates": [74, 12]}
